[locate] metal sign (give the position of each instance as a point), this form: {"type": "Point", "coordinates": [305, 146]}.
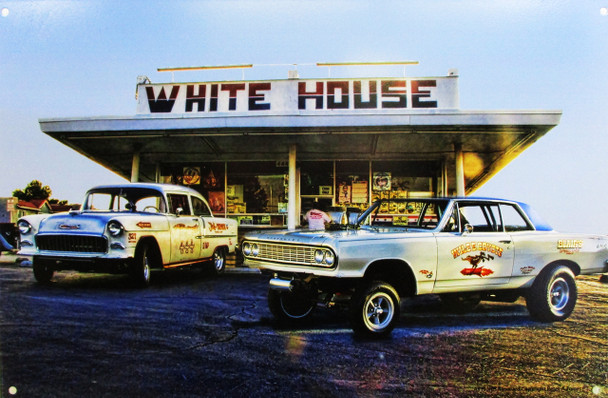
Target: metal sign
{"type": "Point", "coordinates": [299, 96]}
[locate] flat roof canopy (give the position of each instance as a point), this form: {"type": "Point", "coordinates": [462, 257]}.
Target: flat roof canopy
{"type": "Point", "coordinates": [489, 139]}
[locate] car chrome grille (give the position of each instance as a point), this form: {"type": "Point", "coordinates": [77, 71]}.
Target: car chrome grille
{"type": "Point", "coordinates": [304, 255]}
{"type": "Point", "coordinates": [72, 243]}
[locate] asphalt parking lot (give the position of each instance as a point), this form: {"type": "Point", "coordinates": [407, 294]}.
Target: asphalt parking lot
{"type": "Point", "coordinates": [192, 334]}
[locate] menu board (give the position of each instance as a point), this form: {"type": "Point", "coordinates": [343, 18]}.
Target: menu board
{"type": "Point", "coordinates": [359, 192]}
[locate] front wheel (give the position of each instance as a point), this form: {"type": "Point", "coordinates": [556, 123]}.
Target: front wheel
{"type": "Point", "coordinates": [42, 272]}
{"type": "Point", "coordinates": [291, 306]}
{"type": "Point", "coordinates": [140, 270]}
{"type": "Point", "coordinates": [375, 310]}
{"type": "Point", "coordinates": [553, 295]}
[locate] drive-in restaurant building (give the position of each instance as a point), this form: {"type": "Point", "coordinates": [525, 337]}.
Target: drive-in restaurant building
{"type": "Point", "coordinates": [263, 151]}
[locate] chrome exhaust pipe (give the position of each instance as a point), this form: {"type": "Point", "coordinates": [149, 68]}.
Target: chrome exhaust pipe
{"type": "Point", "coordinates": [281, 284]}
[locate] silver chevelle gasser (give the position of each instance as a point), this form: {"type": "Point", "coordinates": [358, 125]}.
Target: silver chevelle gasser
{"type": "Point", "coordinates": [129, 228]}
{"type": "Point", "coordinates": [463, 249]}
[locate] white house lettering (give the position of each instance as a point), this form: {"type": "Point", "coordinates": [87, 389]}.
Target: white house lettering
{"type": "Point", "coordinates": [311, 95]}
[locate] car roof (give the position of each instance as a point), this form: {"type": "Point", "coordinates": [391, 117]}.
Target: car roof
{"type": "Point", "coordinates": [158, 187]}
{"type": "Point", "coordinates": [539, 223]}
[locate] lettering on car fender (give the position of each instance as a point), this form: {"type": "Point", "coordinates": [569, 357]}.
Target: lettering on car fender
{"type": "Point", "coordinates": [427, 273]}
{"type": "Point", "coordinates": [569, 246]}
{"type": "Point", "coordinates": [527, 270]}
{"type": "Point", "coordinates": [216, 227]}
{"type": "Point", "coordinates": [143, 224]}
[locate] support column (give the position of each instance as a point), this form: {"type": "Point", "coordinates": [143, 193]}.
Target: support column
{"type": "Point", "coordinates": [460, 187]}
{"type": "Point", "coordinates": [292, 208]}
{"type": "Point", "coordinates": [157, 174]}
{"type": "Point", "coordinates": [135, 167]}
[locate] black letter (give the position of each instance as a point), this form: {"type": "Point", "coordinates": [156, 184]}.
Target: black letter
{"type": "Point", "coordinates": [192, 98]}
{"type": "Point", "coordinates": [303, 95]}
{"type": "Point", "coordinates": [255, 97]}
{"type": "Point", "coordinates": [331, 95]}
{"type": "Point", "coordinates": [373, 97]}
{"type": "Point", "coordinates": [417, 95]}
{"type": "Point", "coordinates": [394, 89]}
{"type": "Point", "coordinates": [161, 104]}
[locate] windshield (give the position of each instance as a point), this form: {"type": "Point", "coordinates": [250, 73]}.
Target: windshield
{"type": "Point", "coordinates": [405, 213]}
{"type": "Point", "coordinates": [125, 200]}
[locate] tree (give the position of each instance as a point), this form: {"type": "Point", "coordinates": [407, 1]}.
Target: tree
{"type": "Point", "coordinates": [34, 190]}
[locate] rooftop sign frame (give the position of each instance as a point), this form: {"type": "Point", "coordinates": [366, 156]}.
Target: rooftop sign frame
{"type": "Point", "coordinates": [300, 96]}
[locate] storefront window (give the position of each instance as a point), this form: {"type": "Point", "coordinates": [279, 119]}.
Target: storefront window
{"type": "Point", "coordinates": [257, 192]}
{"type": "Point", "coordinates": [352, 184]}
{"type": "Point", "coordinates": [395, 179]}
{"type": "Point", "coordinates": [206, 178]}
{"type": "Point", "coordinates": [316, 179]}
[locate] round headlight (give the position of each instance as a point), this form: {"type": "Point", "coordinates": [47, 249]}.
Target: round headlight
{"type": "Point", "coordinates": [255, 250]}
{"type": "Point", "coordinates": [24, 227]}
{"type": "Point", "coordinates": [115, 228]}
{"type": "Point", "coordinates": [246, 248]}
{"type": "Point", "coordinates": [329, 257]}
{"type": "Point", "coordinates": [319, 255]}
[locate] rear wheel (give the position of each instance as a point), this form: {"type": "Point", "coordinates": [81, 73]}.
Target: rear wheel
{"type": "Point", "coordinates": [219, 261]}
{"type": "Point", "coordinates": [375, 310]}
{"type": "Point", "coordinates": [553, 295]}
{"type": "Point", "coordinates": [42, 271]}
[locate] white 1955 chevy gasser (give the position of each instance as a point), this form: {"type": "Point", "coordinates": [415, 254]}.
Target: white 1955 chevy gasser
{"type": "Point", "coordinates": [129, 228]}
{"type": "Point", "coordinates": [463, 249]}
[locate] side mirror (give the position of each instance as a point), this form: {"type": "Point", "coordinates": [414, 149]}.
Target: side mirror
{"type": "Point", "coordinates": [179, 211]}
{"type": "Point", "coordinates": [468, 228]}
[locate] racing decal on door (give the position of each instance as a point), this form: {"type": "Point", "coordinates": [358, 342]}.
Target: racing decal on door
{"type": "Point", "coordinates": [475, 268]}
{"type": "Point", "coordinates": [477, 246]}
{"type": "Point", "coordinates": [184, 226]}
{"type": "Point", "coordinates": [487, 253]}
{"type": "Point", "coordinates": [186, 247]}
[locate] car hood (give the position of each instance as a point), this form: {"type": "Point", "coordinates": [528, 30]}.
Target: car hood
{"type": "Point", "coordinates": [304, 236]}
{"type": "Point", "coordinates": [76, 222]}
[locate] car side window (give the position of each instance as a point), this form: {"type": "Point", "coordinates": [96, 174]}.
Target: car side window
{"type": "Point", "coordinates": [200, 208]}
{"type": "Point", "coordinates": [513, 219]}
{"type": "Point", "coordinates": [452, 225]}
{"type": "Point", "coordinates": [177, 201]}
{"type": "Point", "coordinates": [482, 217]}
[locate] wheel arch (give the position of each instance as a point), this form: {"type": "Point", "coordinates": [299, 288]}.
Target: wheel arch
{"type": "Point", "coordinates": [154, 247]}
{"type": "Point", "coordinates": [576, 269]}
{"type": "Point", "coordinates": [396, 272]}
{"type": "Point", "coordinates": [225, 248]}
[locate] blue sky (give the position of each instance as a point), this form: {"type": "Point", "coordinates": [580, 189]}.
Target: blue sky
{"type": "Point", "coordinates": [82, 58]}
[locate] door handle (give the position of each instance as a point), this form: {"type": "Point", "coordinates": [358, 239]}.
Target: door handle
{"type": "Point", "coordinates": [506, 242]}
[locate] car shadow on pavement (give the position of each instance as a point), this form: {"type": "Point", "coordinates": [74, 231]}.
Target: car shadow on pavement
{"type": "Point", "coordinates": [159, 279]}
{"type": "Point", "coordinates": [419, 316]}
